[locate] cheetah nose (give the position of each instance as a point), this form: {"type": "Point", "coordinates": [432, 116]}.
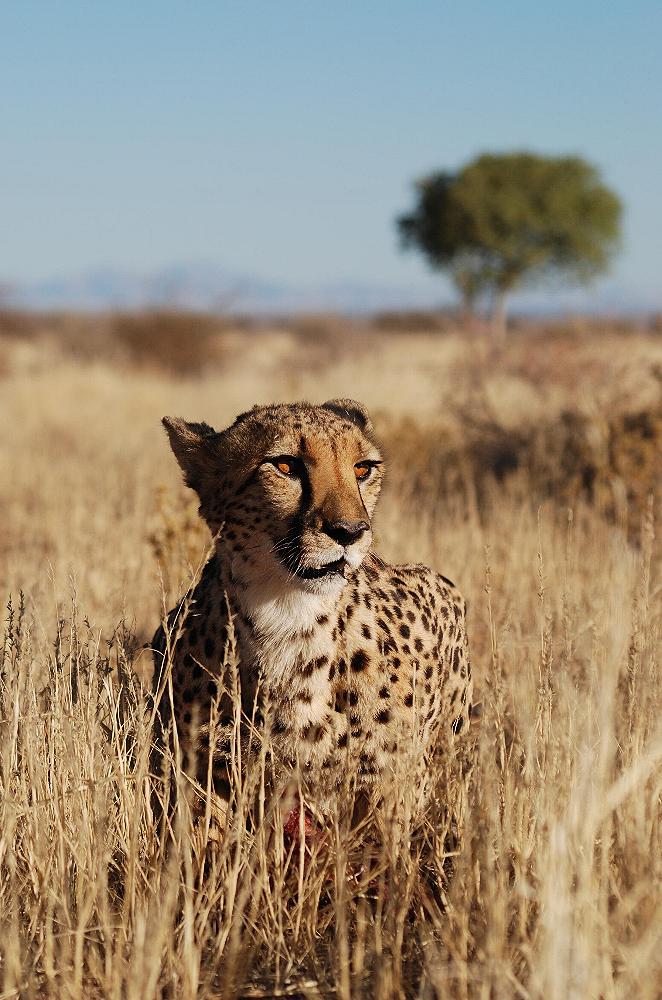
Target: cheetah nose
{"type": "Point", "coordinates": [346, 532]}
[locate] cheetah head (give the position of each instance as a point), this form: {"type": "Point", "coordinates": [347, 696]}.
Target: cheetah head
{"type": "Point", "coordinates": [289, 490]}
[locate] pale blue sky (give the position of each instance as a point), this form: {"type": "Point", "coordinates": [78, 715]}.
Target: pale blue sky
{"type": "Point", "coordinates": [280, 138]}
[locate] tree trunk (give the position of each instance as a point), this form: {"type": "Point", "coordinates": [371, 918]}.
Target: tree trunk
{"type": "Point", "coordinates": [499, 318]}
{"type": "Point", "coordinates": [467, 309]}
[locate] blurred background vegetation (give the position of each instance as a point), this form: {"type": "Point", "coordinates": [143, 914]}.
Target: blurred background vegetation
{"type": "Point", "coordinates": [570, 412]}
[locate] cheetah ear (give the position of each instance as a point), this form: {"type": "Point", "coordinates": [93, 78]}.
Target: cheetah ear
{"type": "Point", "coordinates": [350, 410]}
{"type": "Point", "coordinates": [192, 444]}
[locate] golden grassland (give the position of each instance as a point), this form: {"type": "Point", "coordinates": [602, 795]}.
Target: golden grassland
{"type": "Point", "coordinates": [532, 479]}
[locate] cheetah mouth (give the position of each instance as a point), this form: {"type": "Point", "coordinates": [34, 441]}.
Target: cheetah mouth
{"type": "Point", "coordinates": [337, 567]}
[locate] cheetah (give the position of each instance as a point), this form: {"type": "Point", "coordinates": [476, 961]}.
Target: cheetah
{"type": "Point", "coordinates": [343, 660]}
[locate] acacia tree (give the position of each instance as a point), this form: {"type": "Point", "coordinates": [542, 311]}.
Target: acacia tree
{"type": "Point", "coordinates": [506, 220]}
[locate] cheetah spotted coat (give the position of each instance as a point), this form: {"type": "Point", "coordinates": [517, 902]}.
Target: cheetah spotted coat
{"type": "Point", "coordinates": [344, 662]}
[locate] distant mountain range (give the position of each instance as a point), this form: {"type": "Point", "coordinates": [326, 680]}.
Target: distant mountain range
{"type": "Point", "coordinates": [206, 287]}
{"type": "Point", "coordinates": [209, 288]}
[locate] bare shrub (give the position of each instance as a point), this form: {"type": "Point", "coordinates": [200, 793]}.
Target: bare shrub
{"type": "Point", "coordinates": [321, 340]}
{"type": "Point", "coordinates": [417, 321]}
{"type": "Point", "coordinates": [181, 343]}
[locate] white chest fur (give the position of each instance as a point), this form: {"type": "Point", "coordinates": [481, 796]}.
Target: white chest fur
{"type": "Point", "coordinates": [291, 629]}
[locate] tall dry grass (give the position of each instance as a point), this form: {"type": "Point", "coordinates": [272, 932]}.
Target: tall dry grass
{"type": "Point", "coordinates": [552, 888]}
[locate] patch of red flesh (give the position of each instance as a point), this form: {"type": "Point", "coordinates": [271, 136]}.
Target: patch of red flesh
{"type": "Point", "coordinates": [292, 826]}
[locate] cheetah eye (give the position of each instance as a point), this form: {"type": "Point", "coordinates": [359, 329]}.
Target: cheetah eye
{"type": "Point", "coordinates": [362, 470]}
{"type": "Point", "coordinates": [287, 465]}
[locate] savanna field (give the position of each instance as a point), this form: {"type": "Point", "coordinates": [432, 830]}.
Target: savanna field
{"type": "Point", "coordinates": [531, 478]}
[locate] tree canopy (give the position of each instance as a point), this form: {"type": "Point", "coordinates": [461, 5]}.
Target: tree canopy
{"type": "Point", "coordinates": [505, 220]}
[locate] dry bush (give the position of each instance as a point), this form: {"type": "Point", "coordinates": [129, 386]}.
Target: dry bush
{"type": "Point", "coordinates": [552, 886]}
{"type": "Point", "coordinates": [615, 464]}
{"type": "Point", "coordinates": [182, 343]}
{"type": "Point", "coordinates": [322, 340]}
{"type": "Point", "coordinates": [417, 321]}
{"type": "Point", "coordinates": [14, 323]}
